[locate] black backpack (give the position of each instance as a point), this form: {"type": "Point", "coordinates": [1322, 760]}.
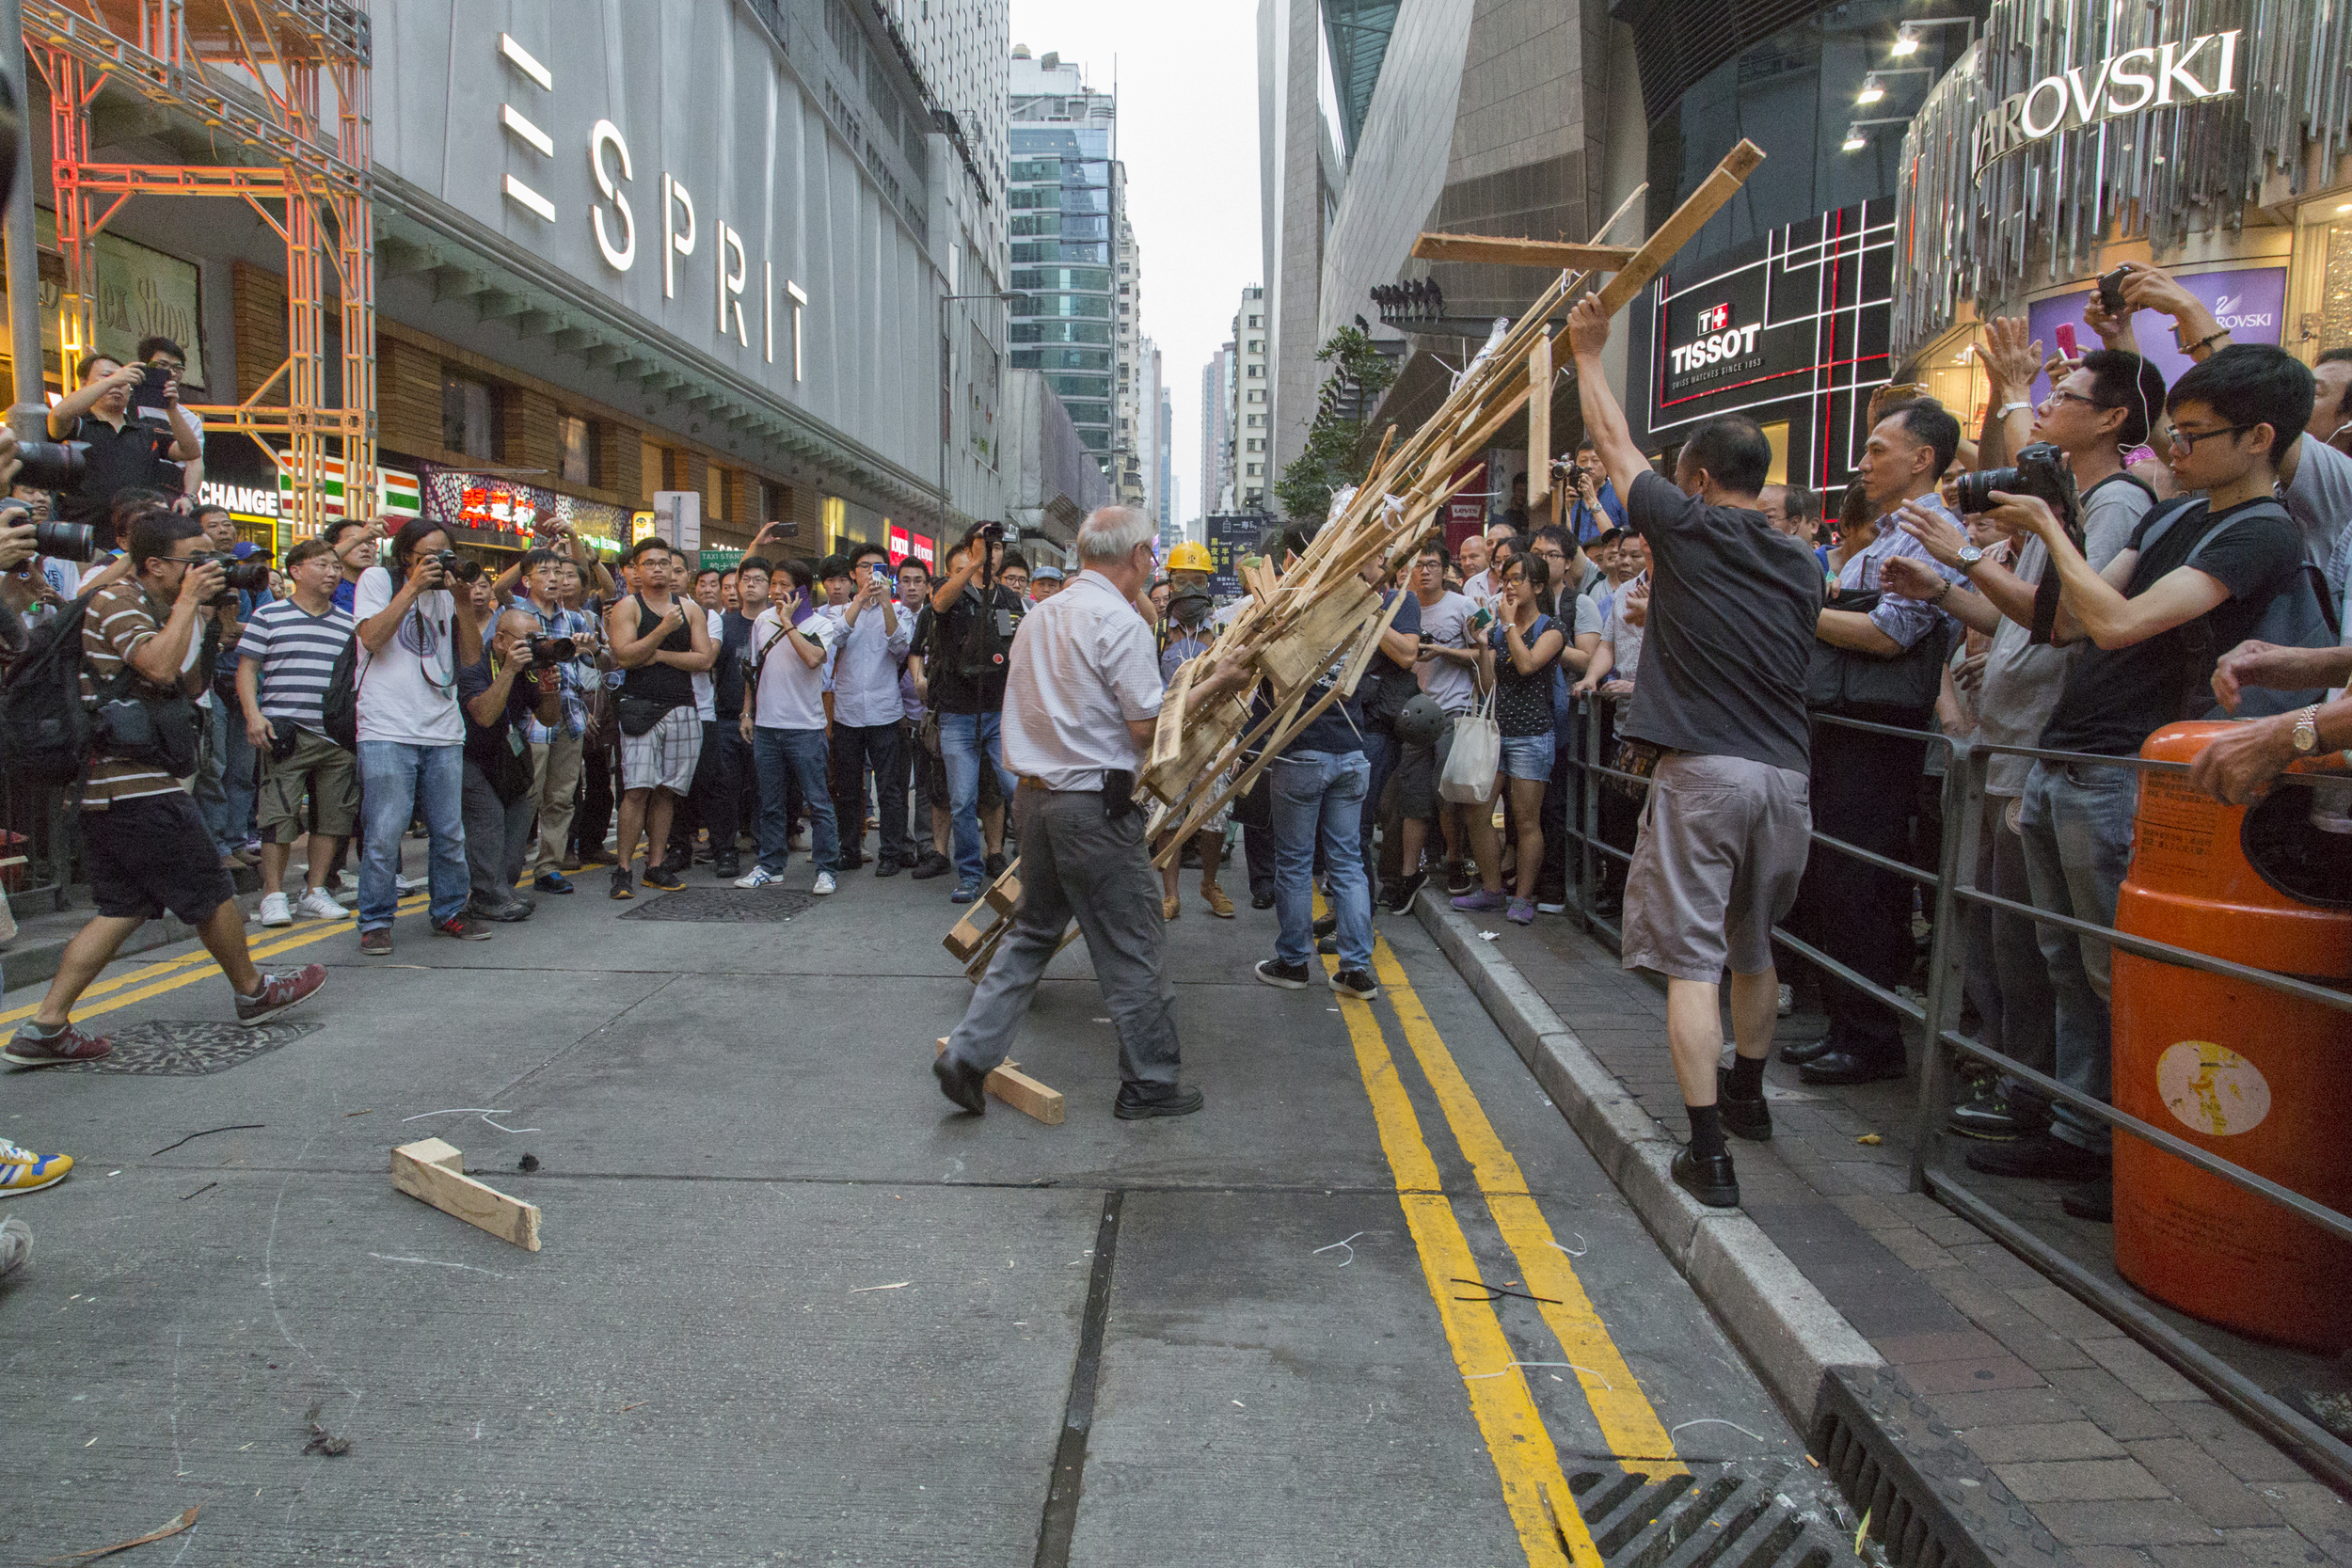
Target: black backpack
{"type": "Point", "coordinates": [339, 709]}
{"type": "Point", "coordinates": [45, 731]}
{"type": "Point", "coordinates": [2301, 614]}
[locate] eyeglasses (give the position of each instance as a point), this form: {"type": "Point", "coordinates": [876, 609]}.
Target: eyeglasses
{"type": "Point", "coordinates": [2059, 394]}
{"type": "Point", "coordinates": [2186, 439]}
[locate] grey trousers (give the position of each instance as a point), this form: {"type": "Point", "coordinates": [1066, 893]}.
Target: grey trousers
{"type": "Point", "coordinates": [1073, 862]}
{"type": "Point", "coordinates": [498, 840]}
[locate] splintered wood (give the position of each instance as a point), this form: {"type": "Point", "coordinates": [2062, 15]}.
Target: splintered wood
{"type": "Point", "coordinates": [1318, 615]}
{"type": "Point", "coordinates": [433, 1171]}
{"type": "Point", "coordinates": [973, 940]}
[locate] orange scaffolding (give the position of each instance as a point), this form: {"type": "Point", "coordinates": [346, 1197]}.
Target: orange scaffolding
{"type": "Point", "coordinates": [283, 84]}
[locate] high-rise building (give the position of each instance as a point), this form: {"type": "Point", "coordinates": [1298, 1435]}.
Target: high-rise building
{"type": "Point", "coordinates": [1066, 203]}
{"type": "Point", "coordinates": [1168, 508]}
{"type": "Point", "coordinates": [1216, 430]}
{"type": "Point", "coordinates": [1129, 446]}
{"type": "Point", "coordinates": [1151, 443]}
{"type": "Point", "coordinates": [1252, 410]}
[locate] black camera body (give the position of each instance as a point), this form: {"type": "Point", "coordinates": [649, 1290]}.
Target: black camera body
{"type": "Point", "coordinates": [458, 566]}
{"type": "Point", "coordinates": [2042, 471]}
{"type": "Point", "coordinates": [251, 575]}
{"type": "Point", "coordinates": [2111, 299]}
{"type": "Point", "coordinates": [549, 652]}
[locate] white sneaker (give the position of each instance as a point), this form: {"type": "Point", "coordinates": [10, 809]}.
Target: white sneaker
{"type": "Point", "coordinates": [407, 884]}
{"type": "Point", "coordinates": [758, 876]}
{"type": "Point", "coordinates": [274, 910]}
{"type": "Point", "coordinates": [1788, 1001]}
{"type": "Point", "coordinates": [824, 884]}
{"type": "Point", "coordinates": [318, 904]}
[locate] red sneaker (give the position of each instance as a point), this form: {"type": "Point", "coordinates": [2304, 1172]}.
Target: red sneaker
{"type": "Point", "coordinates": [68, 1044]}
{"type": "Point", "coordinates": [279, 992]}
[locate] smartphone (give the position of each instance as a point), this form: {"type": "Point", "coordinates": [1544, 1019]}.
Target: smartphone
{"type": "Point", "coordinates": [2066, 340]}
{"type": "Point", "coordinates": [2111, 290]}
{"type": "Point", "coordinates": [148, 393]}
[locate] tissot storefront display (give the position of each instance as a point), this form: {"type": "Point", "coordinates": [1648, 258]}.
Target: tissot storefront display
{"type": "Point", "coordinates": [1790, 331]}
{"type": "Point", "coordinates": [2211, 141]}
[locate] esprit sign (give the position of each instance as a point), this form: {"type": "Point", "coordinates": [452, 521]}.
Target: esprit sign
{"type": "Point", "coordinates": [613, 221]}
{"type": "Point", "coordinates": [2151, 77]}
{"type": "Point", "coordinates": [1719, 340]}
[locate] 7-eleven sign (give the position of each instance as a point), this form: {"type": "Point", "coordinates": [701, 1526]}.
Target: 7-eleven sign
{"type": "Point", "coordinates": [396, 491]}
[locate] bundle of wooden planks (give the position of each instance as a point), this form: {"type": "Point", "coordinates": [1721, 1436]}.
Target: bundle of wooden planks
{"type": "Point", "coordinates": [1317, 614]}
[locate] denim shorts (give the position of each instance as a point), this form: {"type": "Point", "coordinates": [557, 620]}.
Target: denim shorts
{"type": "Point", "coordinates": [1527, 756]}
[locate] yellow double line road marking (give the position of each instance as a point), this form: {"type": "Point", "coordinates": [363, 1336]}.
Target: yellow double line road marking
{"type": "Point", "coordinates": [1524, 1457]}
{"type": "Point", "coordinates": [156, 978]}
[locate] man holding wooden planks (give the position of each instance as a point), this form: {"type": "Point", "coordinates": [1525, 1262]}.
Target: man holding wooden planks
{"type": "Point", "coordinates": [1082, 700]}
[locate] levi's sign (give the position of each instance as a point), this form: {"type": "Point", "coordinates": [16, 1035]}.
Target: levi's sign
{"type": "Point", "coordinates": [2151, 77]}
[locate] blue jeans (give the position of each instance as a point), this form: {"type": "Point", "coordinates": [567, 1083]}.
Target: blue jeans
{"type": "Point", "coordinates": [397, 783]}
{"type": "Point", "coordinates": [2077, 823]}
{"type": "Point", "coordinates": [226, 783]}
{"type": "Point", "coordinates": [780, 758]}
{"type": "Point", "coordinates": [1320, 792]}
{"type": "Point", "coordinates": [963, 739]}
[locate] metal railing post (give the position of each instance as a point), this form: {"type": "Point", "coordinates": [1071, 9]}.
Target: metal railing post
{"type": "Point", "coordinates": [1947, 950]}
{"type": "Point", "coordinates": [1588, 807]}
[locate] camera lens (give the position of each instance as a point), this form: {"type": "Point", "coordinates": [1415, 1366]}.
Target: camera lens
{"type": "Point", "coordinates": [51, 465]}
{"type": "Point", "coordinates": [66, 540]}
{"type": "Point", "coordinates": [251, 576]}
{"type": "Point", "coordinates": [1974, 491]}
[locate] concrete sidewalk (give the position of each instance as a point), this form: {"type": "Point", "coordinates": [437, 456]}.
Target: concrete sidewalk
{"type": "Point", "coordinates": [2061, 1439]}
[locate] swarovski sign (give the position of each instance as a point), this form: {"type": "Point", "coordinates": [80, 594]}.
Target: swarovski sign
{"type": "Point", "coordinates": [2150, 77]}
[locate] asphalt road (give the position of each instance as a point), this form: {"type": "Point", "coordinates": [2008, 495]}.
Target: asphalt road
{"type": "Point", "coordinates": [792, 1308]}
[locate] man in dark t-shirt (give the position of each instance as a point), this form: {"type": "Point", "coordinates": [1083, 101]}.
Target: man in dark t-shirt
{"type": "Point", "coordinates": [964, 637]}
{"type": "Point", "coordinates": [2191, 585]}
{"type": "Point", "coordinates": [1723, 845]}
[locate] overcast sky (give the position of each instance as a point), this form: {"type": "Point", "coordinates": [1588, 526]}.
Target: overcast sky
{"type": "Point", "coordinates": [1187, 79]}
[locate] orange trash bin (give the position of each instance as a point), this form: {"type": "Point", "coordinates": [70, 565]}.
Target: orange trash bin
{"type": "Point", "coordinates": [2254, 1077]}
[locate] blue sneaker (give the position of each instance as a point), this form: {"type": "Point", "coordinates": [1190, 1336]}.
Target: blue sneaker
{"type": "Point", "coordinates": [552, 882]}
{"type": "Point", "coordinates": [966, 892]}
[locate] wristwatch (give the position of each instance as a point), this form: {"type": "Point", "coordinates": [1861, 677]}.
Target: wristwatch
{"type": "Point", "coordinates": [1969, 556]}
{"type": "Point", "coordinates": [2306, 735]}
{"type": "Point", "coordinates": [2010, 407]}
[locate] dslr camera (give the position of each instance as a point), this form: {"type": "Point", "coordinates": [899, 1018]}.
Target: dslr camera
{"type": "Point", "coordinates": [251, 575]}
{"type": "Point", "coordinates": [549, 652]}
{"type": "Point", "coordinates": [460, 567]}
{"type": "Point", "coordinates": [51, 465]}
{"type": "Point", "coordinates": [2041, 471]}
{"type": "Point", "coordinates": [75, 542]}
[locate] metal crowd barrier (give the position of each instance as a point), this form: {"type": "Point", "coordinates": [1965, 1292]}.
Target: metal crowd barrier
{"type": "Point", "coordinates": [1952, 886]}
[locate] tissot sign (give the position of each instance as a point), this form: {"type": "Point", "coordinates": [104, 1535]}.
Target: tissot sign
{"type": "Point", "coordinates": [2151, 77]}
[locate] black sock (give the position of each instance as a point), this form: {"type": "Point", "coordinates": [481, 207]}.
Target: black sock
{"type": "Point", "coordinates": [1747, 1076]}
{"type": "Point", "coordinates": [1707, 1131]}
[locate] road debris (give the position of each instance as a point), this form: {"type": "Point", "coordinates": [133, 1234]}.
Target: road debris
{"type": "Point", "coordinates": [1870, 1138]}
{"type": "Point", "coordinates": [1335, 1246]}
{"type": "Point", "coordinates": [1582, 1246]}
{"type": "Point", "coordinates": [434, 1172]}
{"type": "Point", "coordinates": [237, 1126]}
{"type": "Point", "coordinates": [1496, 1292]}
{"type": "Point", "coordinates": [527, 1163]}
{"type": "Point", "coordinates": [322, 1441]}
{"type": "Point", "coordinates": [901, 1286]}
{"type": "Point", "coordinates": [206, 1188]}
{"type": "Point", "coordinates": [174, 1527]}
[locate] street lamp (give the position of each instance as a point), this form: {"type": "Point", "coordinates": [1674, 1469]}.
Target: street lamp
{"type": "Point", "coordinates": [946, 433]}
{"type": "Point", "coordinates": [1907, 39]}
{"type": "Point", "coordinates": [1855, 141]}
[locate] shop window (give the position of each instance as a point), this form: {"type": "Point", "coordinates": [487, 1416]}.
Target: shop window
{"type": "Point", "coordinates": [837, 518]}
{"type": "Point", "coordinates": [1777, 435]}
{"type": "Point", "coordinates": [579, 449]}
{"type": "Point", "coordinates": [469, 416]}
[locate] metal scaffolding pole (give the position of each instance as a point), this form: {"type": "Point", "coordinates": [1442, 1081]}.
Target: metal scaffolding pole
{"type": "Point", "coordinates": [27, 415]}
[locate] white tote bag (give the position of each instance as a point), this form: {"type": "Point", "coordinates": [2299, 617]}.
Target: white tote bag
{"type": "Point", "coordinates": [1477, 754]}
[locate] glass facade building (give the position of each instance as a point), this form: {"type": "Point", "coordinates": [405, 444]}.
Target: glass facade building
{"type": "Point", "coordinates": [1062, 199]}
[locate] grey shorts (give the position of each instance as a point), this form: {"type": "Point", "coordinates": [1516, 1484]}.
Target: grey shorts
{"type": "Point", "coordinates": [319, 768]}
{"type": "Point", "coordinates": [1722, 850]}
{"type": "Point", "coordinates": [1418, 770]}
{"type": "Point", "coordinates": [664, 756]}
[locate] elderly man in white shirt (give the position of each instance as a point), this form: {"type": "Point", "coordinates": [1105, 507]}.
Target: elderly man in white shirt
{"type": "Point", "coordinates": [1082, 697]}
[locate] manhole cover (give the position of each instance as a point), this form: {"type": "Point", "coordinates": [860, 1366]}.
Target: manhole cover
{"type": "Point", "coordinates": [724, 906]}
{"type": "Point", "coordinates": [189, 1050]}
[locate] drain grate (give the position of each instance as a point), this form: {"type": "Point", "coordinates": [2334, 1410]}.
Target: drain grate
{"type": "Point", "coordinates": [1732, 1516]}
{"type": "Point", "coordinates": [1931, 1503]}
{"type": "Point", "coordinates": [165, 1048]}
{"type": "Point", "coordinates": [723, 906]}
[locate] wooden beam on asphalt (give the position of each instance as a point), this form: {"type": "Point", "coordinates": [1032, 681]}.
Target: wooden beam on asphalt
{"type": "Point", "coordinates": [1552, 255]}
{"type": "Point", "coordinates": [1019, 1091]}
{"type": "Point", "coordinates": [1677, 230]}
{"type": "Point", "coordinates": [431, 1170]}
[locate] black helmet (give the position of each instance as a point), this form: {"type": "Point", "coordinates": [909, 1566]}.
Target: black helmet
{"type": "Point", "coordinates": [1420, 722]}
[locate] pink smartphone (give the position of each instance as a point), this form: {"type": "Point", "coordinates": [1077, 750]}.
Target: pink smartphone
{"type": "Point", "coordinates": [2066, 340]}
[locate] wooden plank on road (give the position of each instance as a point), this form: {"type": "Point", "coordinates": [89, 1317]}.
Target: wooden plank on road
{"type": "Point", "coordinates": [428, 1170]}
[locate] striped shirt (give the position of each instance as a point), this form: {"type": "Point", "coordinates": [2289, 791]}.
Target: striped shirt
{"type": "Point", "coordinates": [117, 623]}
{"type": "Point", "coordinates": [296, 652]}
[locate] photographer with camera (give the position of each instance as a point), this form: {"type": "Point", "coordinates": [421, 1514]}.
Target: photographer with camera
{"type": "Point", "coordinates": [1595, 508]}
{"type": "Point", "coordinates": [2195, 577]}
{"type": "Point", "coordinates": [875, 638]}
{"type": "Point", "coordinates": [415, 634]}
{"type": "Point", "coordinates": [661, 641]}
{"type": "Point", "coordinates": [230, 770]}
{"type": "Point", "coordinates": [555, 745]}
{"type": "Point", "coordinates": [119, 451]}
{"type": "Point", "coordinates": [966, 636]}
{"type": "Point", "coordinates": [284, 657]}
{"type": "Point", "coordinates": [1082, 700]}
{"type": "Point", "coordinates": [156, 400]}
{"type": "Point", "coordinates": [519, 682]}
{"type": "Point", "coordinates": [145, 848]}
{"type": "Point", "coordinates": [2078, 436]}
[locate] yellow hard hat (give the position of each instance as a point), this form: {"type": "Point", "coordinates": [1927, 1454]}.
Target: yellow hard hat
{"type": "Point", "coordinates": [1191, 557]}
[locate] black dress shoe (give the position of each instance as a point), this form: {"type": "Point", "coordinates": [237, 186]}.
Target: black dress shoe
{"type": "Point", "coordinates": [930, 865]}
{"type": "Point", "coordinates": [1798, 1052]}
{"type": "Point", "coordinates": [728, 864]}
{"type": "Point", "coordinates": [1748, 1117]}
{"type": "Point", "coordinates": [2043, 1155]}
{"type": "Point", "coordinates": [886, 867]}
{"type": "Point", "coordinates": [1175, 1100]}
{"type": "Point", "coordinates": [1850, 1066]}
{"type": "Point", "coordinates": [1328, 925]}
{"type": "Point", "coordinates": [2093, 1200]}
{"type": "Point", "coordinates": [1261, 900]}
{"type": "Point", "coordinates": [1707, 1177]}
{"type": "Point", "coordinates": [961, 1083]}
{"type": "Point", "coordinates": [995, 866]}
{"type": "Point", "coordinates": [851, 860]}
